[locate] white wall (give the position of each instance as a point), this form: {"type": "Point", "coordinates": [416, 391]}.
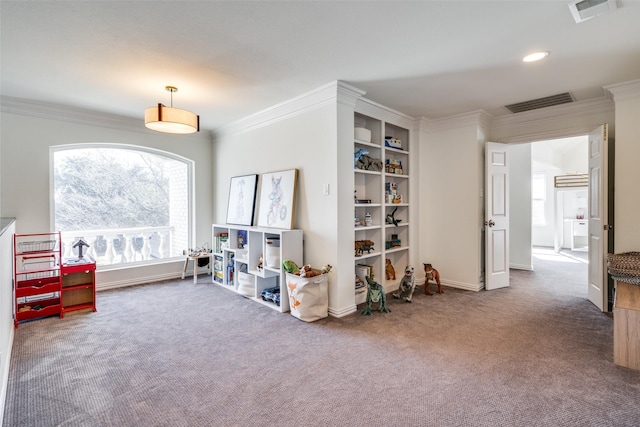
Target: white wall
{"type": "Point", "coordinates": [6, 309]}
{"type": "Point", "coordinates": [520, 206]}
{"type": "Point", "coordinates": [306, 141]}
{"type": "Point", "coordinates": [450, 187]}
{"type": "Point", "coordinates": [26, 136]}
{"type": "Point", "coordinates": [627, 172]}
{"type": "Point", "coordinates": [552, 158]}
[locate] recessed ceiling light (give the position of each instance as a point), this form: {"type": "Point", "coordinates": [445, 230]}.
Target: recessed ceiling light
{"type": "Point", "coordinates": [535, 56]}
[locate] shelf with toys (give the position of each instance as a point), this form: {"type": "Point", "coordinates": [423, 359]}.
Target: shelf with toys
{"type": "Point", "coordinates": [248, 261]}
{"type": "Point", "coordinates": [382, 207]}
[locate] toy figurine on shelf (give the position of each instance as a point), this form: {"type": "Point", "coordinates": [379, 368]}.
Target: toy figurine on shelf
{"type": "Point", "coordinates": [391, 218]}
{"type": "Point", "coordinates": [431, 273]}
{"type": "Point", "coordinates": [80, 244]}
{"type": "Point", "coordinates": [407, 285]}
{"type": "Point", "coordinates": [389, 271]}
{"type": "Point", "coordinates": [363, 245]}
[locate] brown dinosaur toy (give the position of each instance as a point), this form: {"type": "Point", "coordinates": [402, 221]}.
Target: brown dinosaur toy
{"type": "Point", "coordinates": [389, 271]}
{"type": "Point", "coordinates": [363, 245]}
{"type": "Point", "coordinates": [431, 273]}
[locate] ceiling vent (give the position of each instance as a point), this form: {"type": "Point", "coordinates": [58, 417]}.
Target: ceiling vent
{"type": "Point", "coordinates": [534, 104]}
{"type": "Point", "coordinates": [587, 9]}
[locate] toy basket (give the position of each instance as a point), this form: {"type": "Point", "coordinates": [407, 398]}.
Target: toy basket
{"type": "Point", "coordinates": [625, 267]}
{"type": "Point", "coordinates": [37, 246]}
{"type": "Point", "coordinates": [308, 296]}
{"type": "Point", "coordinates": [246, 284]}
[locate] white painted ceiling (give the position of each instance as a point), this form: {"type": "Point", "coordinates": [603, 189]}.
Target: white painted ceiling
{"type": "Point", "coordinates": [231, 59]}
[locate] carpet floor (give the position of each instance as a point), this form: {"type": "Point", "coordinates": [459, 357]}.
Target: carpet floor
{"type": "Point", "coordinates": [181, 354]}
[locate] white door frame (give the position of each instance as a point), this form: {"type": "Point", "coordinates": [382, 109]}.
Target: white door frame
{"type": "Point", "coordinates": [605, 227]}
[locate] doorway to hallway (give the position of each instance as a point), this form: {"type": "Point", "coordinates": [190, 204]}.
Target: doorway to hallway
{"type": "Point", "coordinates": [562, 273]}
{"type": "Point", "coordinates": [558, 227]}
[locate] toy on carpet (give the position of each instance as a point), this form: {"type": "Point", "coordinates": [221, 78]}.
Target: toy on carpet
{"type": "Point", "coordinates": [431, 273]}
{"type": "Point", "coordinates": [389, 271]}
{"type": "Point", "coordinates": [375, 293]}
{"type": "Point", "coordinates": [407, 285]}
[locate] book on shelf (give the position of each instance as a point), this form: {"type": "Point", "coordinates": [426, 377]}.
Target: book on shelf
{"type": "Point", "coordinates": [218, 276]}
{"type": "Point", "coordinates": [222, 242]}
{"type": "Point", "coordinates": [363, 201]}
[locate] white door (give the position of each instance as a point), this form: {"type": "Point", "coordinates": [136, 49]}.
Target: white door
{"type": "Point", "coordinates": [598, 218]}
{"type": "Point", "coordinates": [496, 216]}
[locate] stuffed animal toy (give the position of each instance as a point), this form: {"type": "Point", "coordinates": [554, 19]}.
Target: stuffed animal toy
{"type": "Point", "coordinates": [407, 285]}
{"type": "Point", "coordinates": [389, 271]}
{"type": "Point", "coordinates": [290, 266]}
{"type": "Point", "coordinates": [431, 273]}
{"type": "Point", "coordinates": [307, 271]}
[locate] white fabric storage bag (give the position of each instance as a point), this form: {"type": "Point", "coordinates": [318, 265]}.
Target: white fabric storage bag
{"type": "Point", "coordinates": [308, 296]}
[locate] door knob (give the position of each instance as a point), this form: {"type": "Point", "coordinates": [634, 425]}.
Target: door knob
{"type": "Point", "coordinates": [490, 223]}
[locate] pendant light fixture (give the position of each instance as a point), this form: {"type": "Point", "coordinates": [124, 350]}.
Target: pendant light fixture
{"type": "Point", "coordinates": [171, 120]}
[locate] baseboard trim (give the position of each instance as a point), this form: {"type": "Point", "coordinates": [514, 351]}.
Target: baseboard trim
{"type": "Point", "coordinates": [521, 267]}
{"type": "Point", "coordinates": [464, 286]}
{"type": "Point", "coordinates": [137, 281]}
{"type": "Point", "coordinates": [342, 312]}
{"type": "Point", "coordinates": [5, 374]}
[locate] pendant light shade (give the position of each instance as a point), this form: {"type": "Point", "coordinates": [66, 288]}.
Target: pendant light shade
{"type": "Point", "coordinates": [171, 120]}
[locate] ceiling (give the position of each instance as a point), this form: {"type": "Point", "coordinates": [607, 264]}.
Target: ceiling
{"type": "Point", "coordinates": [231, 59]}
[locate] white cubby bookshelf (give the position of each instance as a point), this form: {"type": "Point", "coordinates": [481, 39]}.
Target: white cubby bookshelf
{"type": "Point", "coordinates": [245, 260]}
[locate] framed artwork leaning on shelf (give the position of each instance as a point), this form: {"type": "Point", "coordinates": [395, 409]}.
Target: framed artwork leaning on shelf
{"type": "Point", "coordinates": [242, 199]}
{"type": "Point", "coordinates": [278, 199]}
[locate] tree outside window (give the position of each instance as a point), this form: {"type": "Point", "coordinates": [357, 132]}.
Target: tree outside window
{"type": "Point", "coordinates": [131, 204]}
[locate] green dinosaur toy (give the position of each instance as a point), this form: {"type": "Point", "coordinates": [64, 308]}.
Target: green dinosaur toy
{"type": "Point", "coordinates": [375, 293]}
{"type": "Point", "coordinates": [290, 266]}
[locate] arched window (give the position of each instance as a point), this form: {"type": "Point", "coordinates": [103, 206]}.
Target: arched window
{"type": "Point", "coordinates": [131, 204]}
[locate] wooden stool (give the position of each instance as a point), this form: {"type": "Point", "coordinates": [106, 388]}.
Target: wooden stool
{"type": "Point", "coordinates": [195, 259]}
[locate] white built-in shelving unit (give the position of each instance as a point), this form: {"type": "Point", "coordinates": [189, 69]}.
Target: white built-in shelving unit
{"type": "Point", "coordinates": [382, 194]}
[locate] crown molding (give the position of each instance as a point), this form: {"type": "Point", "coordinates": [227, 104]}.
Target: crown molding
{"type": "Point", "coordinates": [66, 113]}
{"type": "Point", "coordinates": [625, 90]}
{"type": "Point", "coordinates": [348, 95]}
{"type": "Point", "coordinates": [371, 108]}
{"type": "Point", "coordinates": [421, 124]}
{"type": "Point", "coordinates": [336, 91]}
{"type": "Point", "coordinates": [474, 118]}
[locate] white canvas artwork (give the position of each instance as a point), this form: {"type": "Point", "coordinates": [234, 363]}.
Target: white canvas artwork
{"type": "Point", "coordinates": [278, 199]}
{"type": "Point", "coordinates": [242, 199]}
